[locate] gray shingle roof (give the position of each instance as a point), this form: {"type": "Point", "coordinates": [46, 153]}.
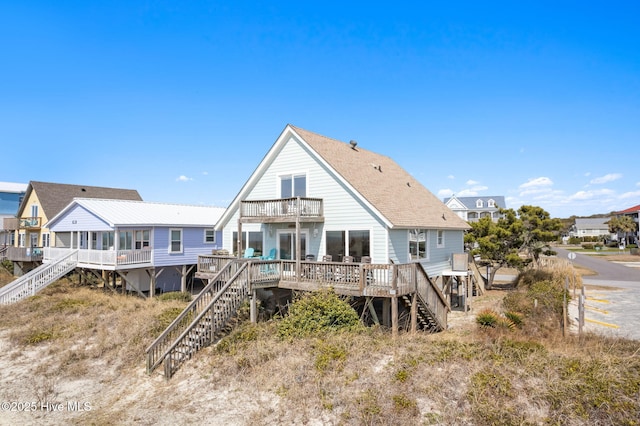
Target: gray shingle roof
{"type": "Point", "coordinates": [400, 198]}
{"type": "Point", "coordinates": [54, 197]}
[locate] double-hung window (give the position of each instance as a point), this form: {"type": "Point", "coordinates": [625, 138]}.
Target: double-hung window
{"type": "Point", "coordinates": [209, 236]}
{"type": "Point", "coordinates": [440, 238]}
{"type": "Point", "coordinates": [175, 243]}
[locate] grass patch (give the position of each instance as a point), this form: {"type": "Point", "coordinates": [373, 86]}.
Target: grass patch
{"type": "Point", "coordinates": [347, 375]}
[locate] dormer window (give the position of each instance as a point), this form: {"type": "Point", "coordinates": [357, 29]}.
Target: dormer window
{"type": "Point", "coordinates": [491, 203]}
{"type": "Point", "coordinates": [479, 204]}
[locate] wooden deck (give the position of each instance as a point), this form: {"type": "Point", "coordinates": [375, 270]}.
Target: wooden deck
{"type": "Point", "coordinates": [352, 279]}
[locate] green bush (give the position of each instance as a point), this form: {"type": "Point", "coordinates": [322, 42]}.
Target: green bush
{"type": "Point", "coordinates": [487, 318]}
{"type": "Point", "coordinates": [7, 264]}
{"type": "Point", "coordinates": [318, 312]}
{"type": "Point", "coordinates": [587, 246]}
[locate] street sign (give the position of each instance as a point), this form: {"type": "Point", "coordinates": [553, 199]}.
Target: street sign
{"type": "Point", "coordinates": [571, 255]}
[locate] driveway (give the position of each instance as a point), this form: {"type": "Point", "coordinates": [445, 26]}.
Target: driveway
{"type": "Point", "coordinates": [612, 296]}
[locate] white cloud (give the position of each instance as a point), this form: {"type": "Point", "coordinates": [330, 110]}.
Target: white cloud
{"type": "Point", "coordinates": [606, 178]}
{"type": "Point", "coordinates": [470, 192]}
{"type": "Point", "coordinates": [183, 178]}
{"type": "Point", "coordinates": [630, 194]}
{"type": "Point", "coordinates": [589, 195]}
{"type": "Point", "coordinates": [537, 183]}
{"type": "Point", "coordinates": [205, 173]}
{"type": "Point", "coordinates": [472, 182]}
{"type": "Point", "coordinates": [451, 177]}
{"type": "Point", "coordinates": [444, 193]}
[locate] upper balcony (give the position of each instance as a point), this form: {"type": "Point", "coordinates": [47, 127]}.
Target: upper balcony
{"type": "Point", "coordinates": [29, 223]}
{"type": "Point", "coordinates": [282, 210]}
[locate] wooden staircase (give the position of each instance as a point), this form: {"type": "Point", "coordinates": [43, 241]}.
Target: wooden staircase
{"type": "Point", "coordinates": [37, 279]}
{"type": "Point", "coordinates": [432, 306]}
{"type": "Point", "coordinates": [203, 321]}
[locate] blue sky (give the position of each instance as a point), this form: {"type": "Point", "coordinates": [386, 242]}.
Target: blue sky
{"type": "Point", "coordinates": [535, 101]}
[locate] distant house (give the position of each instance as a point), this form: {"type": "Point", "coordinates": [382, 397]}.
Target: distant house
{"type": "Point", "coordinates": [11, 195]}
{"type": "Point", "coordinates": [471, 209]}
{"type": "Point", "coordinates": [41, 202]}
{"type": "Point", "coordinates": [591, 227]}
{"type": "Point", "coordinates": [149, 245]}
{"type": "Point", "coordinates": [356, 203]}
{"type": "Point", "coordinates": [632, 212]}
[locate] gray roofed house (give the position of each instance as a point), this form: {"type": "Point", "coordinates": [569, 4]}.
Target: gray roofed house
{"type": "Point", "coordinates": [591, 227]}
{"type": "Point", "coordinates": [472, 209]}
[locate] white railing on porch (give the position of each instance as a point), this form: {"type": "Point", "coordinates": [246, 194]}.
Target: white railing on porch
{"type": "Point", "coordinates": [102, 257]}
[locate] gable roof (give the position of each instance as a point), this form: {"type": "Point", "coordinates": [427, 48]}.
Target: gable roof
{"type": "Point", "coordinates": [54, 197]}
{"type": "Point", "coordinates": [141, 213]}
{"type": "Point", "coordinates": [470, 202]}
{"type": "Point", "coordinates": [378, 181]}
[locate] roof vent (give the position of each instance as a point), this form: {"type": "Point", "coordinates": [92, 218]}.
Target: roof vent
{"type": "Point", "coordinates": [83, 190]}
{"type": "Point", "coordinates": [353, 144]}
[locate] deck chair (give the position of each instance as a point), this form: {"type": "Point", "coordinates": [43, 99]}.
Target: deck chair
{"type": "Point", "coordinates": [248, 252]}
{"type": "Point", "coordinates": [272, 254]}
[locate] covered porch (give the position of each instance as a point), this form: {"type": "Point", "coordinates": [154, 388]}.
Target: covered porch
{"type": "Point", "coordinates": [103, 259]}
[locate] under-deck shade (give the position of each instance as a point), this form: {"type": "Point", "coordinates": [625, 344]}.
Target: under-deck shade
{"type": "Point", "coordinates": [282, 210]}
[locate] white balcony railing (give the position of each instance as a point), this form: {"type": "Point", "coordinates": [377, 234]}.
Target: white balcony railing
{"type": "Point", "coordinates": [98, 258]}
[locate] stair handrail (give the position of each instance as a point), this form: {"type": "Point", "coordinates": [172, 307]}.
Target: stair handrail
{"type": "Point", "coordinates": [158, 347]}
{"type": "Point", "coordinates": [169, 370]}
{"type": "Point", "coordinates": [34, 271]}
{"type": "Point", "coordinates": [433, 298]}
{"type": "Point", "coordinates": [37, 279]}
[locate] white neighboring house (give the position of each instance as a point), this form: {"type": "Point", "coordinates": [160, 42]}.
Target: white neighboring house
{"type": "Point", "coordinates": [473, 209]}
{"type": "Point", "coordinates": [354, 202]}
{"type": "Point", "coordinates": [149, 245]}
{"type": "Point", "coordinates": [591, 227]}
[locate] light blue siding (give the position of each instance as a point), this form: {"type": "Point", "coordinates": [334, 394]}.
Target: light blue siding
{"type": "Point", "coordinates": [192, 246]}
{"type": "Point", "coordinates": [79, 219]}
{"type": "Point", "coordinates": [342, 209]}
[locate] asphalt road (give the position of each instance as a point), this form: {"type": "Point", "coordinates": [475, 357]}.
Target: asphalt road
{"type": "Point", "coordinates": [612, 305]}
{"type": "Point", "coordinates": [609, 273]}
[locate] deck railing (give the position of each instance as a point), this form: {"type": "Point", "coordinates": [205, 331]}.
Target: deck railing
{"type": "Point", "coordinates": [24, 254]}
{"type": "Point", "coordinates": [281, 208]}
{"type": "Point", "coordinates": [363, 279]}
{"type": "Point", "coordinates": [99, 258]}
{"type": "Point", "coordinates": [29, 222]}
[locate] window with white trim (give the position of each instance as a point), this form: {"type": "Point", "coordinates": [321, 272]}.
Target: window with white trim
{"type": "Point", "coordinates": [175, 241]}
{"type": "Point", "coordinates": [46, 240]}
{"type": "Point", "coordinates": [491, 203]}
{"type": "Point", "coordinates": [440, 238]}
{"type": "Point", "coordinates": [418, 244]}
{"type": "Point", "coordinates": [478, 203]}
{"type": "Point", "coordinates": [293, 186]}
{"type": "Point", "coordinates": [209, 236]}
